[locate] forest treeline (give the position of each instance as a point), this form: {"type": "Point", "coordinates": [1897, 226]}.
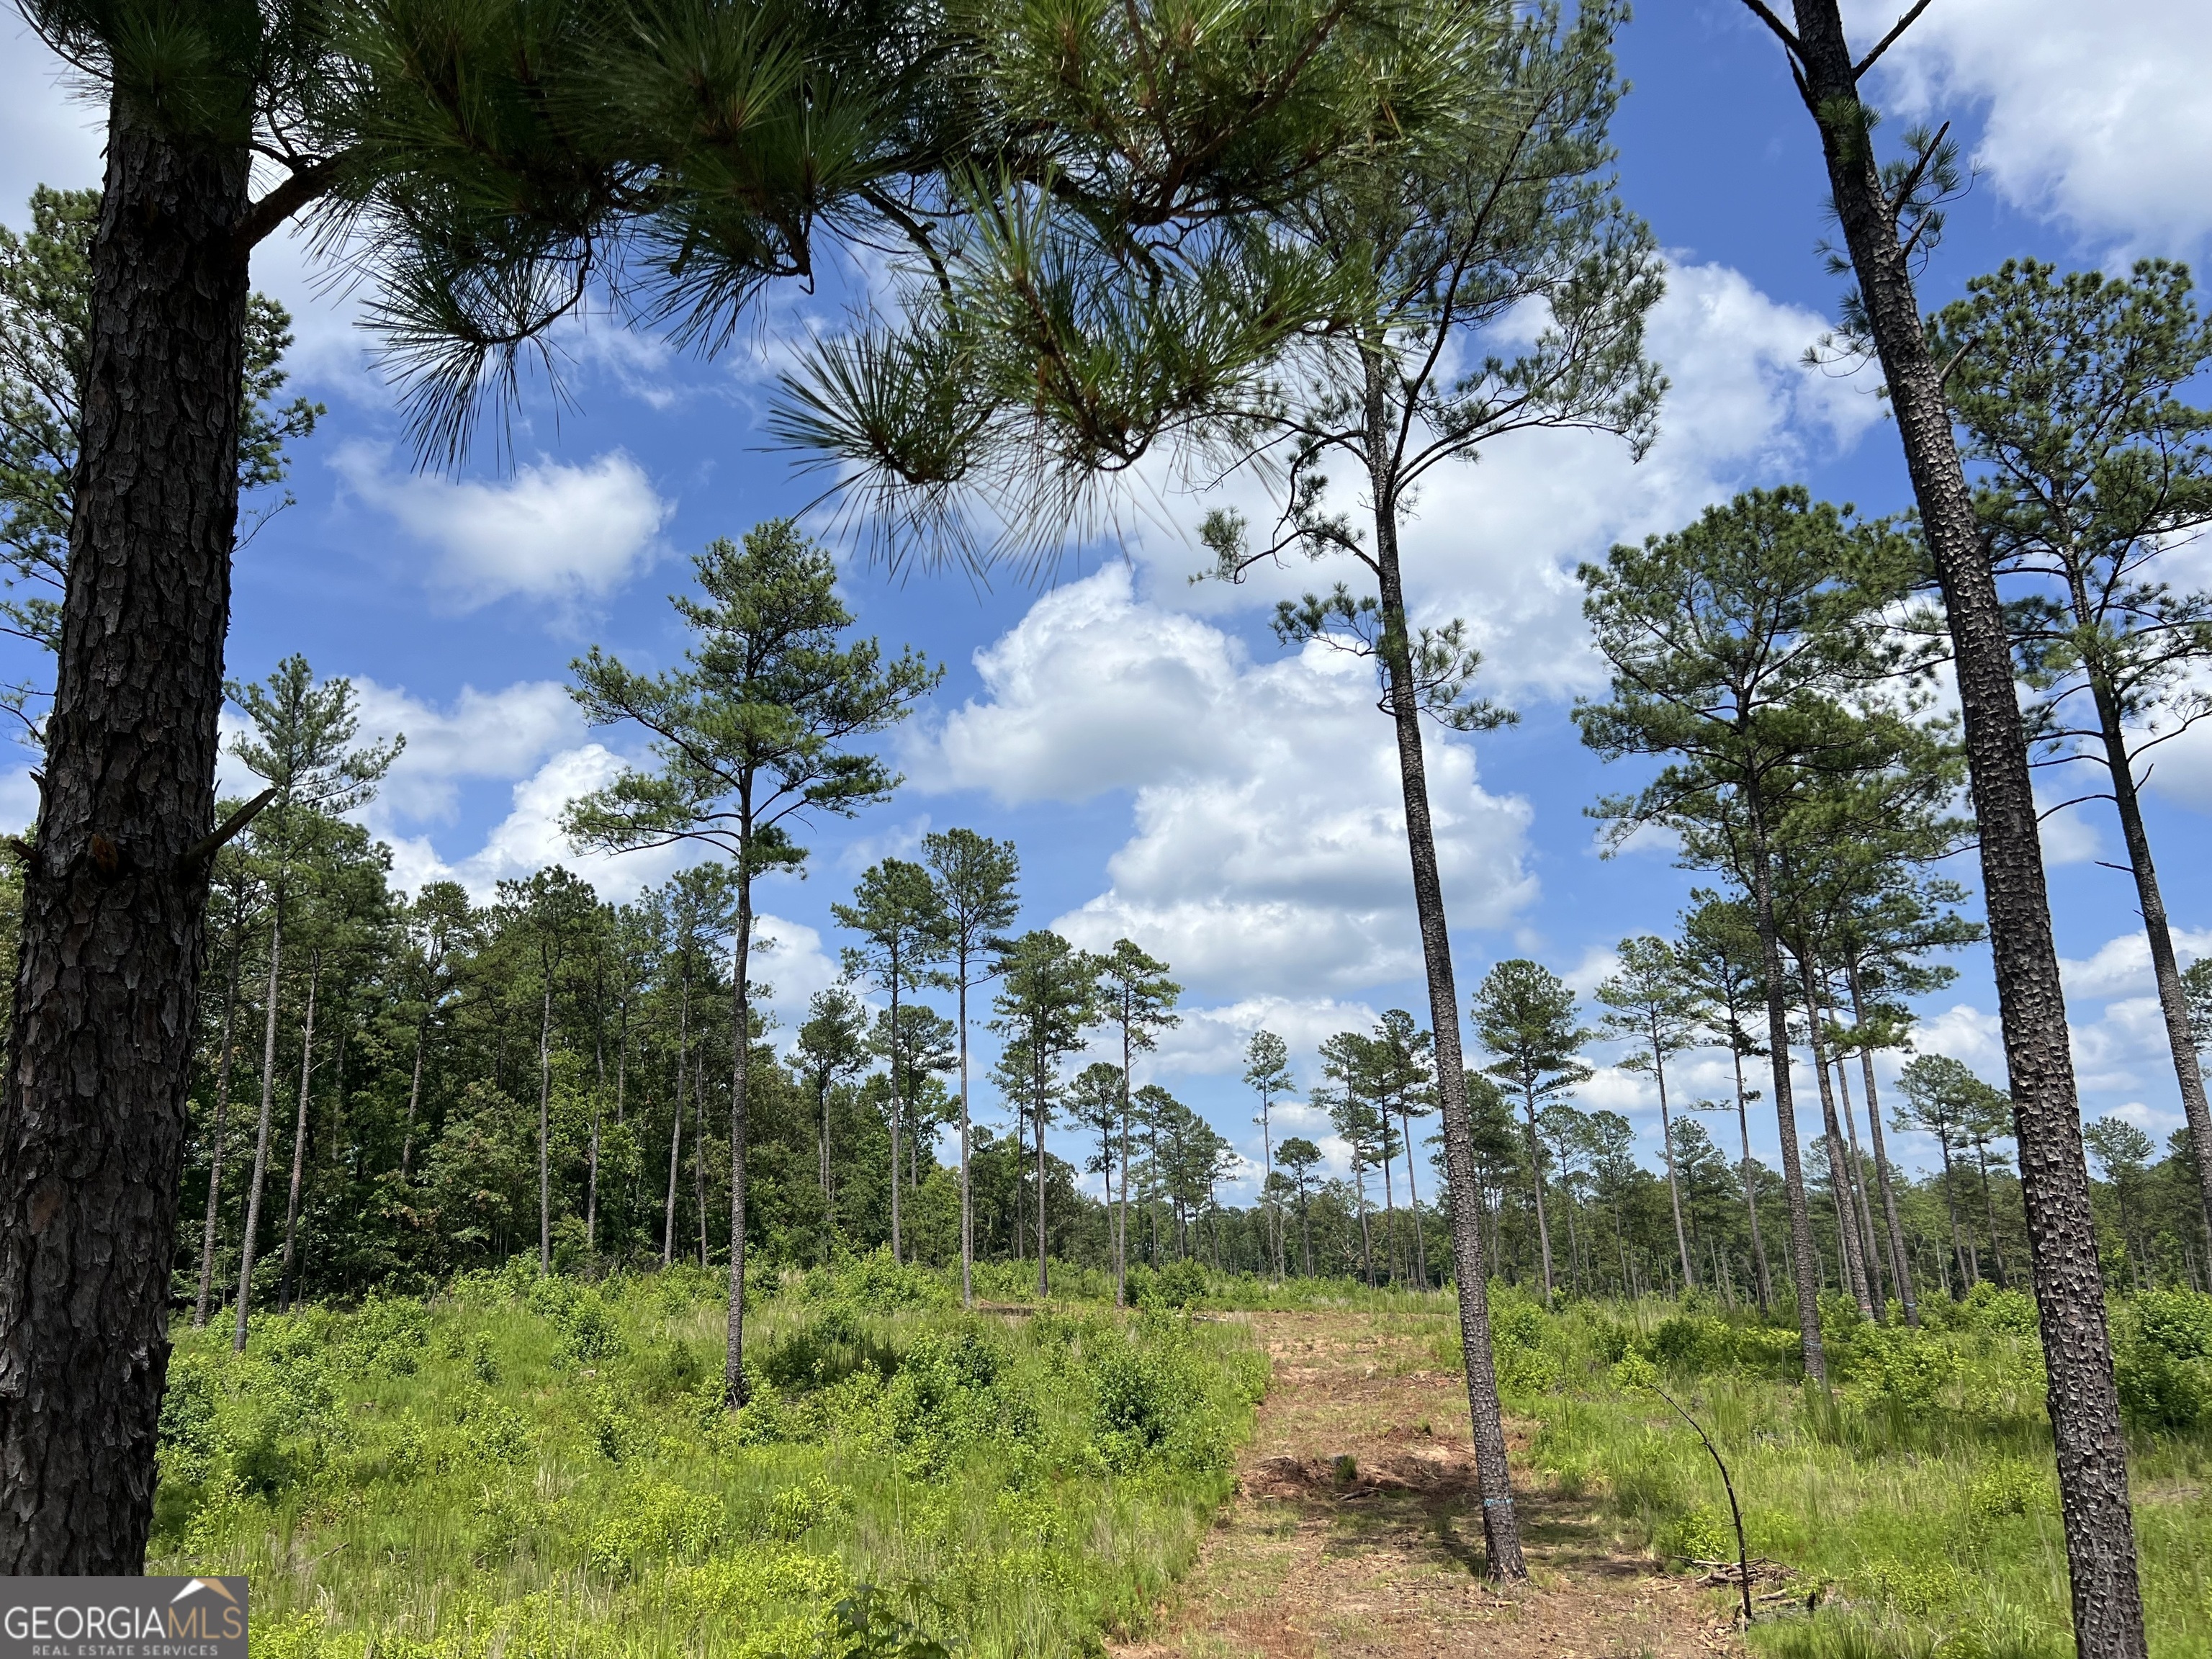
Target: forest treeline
{"type": "Point", "coordinates": [1301, 234]}
{"type": "Point", "coordinates": [417, 1036]}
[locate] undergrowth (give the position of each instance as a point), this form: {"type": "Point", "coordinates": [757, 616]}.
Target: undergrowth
{"type": "Point", "coordinates": [540, 1467]}
{"type": "Point", "coordinates": [1916, 1501]}
{"type": "Point", "coordinates": [546, 1466]}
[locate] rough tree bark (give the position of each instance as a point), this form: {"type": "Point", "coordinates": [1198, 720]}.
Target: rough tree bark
{"type": "Point", "coordinates": [92, 1121]}
{"type": "Point", "coordinates": [1750, 1197]}
{"type": "Point", "coordinates": [2069, 1291]}
{"type": "Point", "coordinates": [1501, 1529]}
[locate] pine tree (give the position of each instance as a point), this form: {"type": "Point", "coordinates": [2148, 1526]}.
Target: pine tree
{"type": "Point", "coordinates": [1049, 999]}
{"type": "Point", "coordinates": [1525, 1014]}
{"type": "Point", "coordinates": [899, 912]}
{"type": "Point", "coordinates": [488, 170]}
{"type": "Point", "coordinates": [755, 734]}
{"type": "Point", "coordinates": [2066, 392]}
{"type": "Point", "coordinates": [1889, 216]}
{"type": "Point", "coordinates": [1137, 998]}
{"type": "Point", "coordinates": [1267, 1072]}
{"type": "Point", "coordinates": [1728, 642]}
{"type": "Point", "coordinates": [1652, 1002]}
{"type": "Point", "coordinates": [976, 895]}
{"type": "Point", "coordinates": [302, 746]}
{"type": "Point", "coordinates": [1300, 1157]}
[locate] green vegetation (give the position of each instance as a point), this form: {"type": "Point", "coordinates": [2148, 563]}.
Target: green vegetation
{"type": "Point", "coordinates": [543, 1465]}
{"type": "Point", "coordinates": [1917, 1503]}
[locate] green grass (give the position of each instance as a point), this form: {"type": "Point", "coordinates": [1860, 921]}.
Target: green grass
{"type": "Point", "coordinates": [521, 1469]}
{"type": "Point", "coordinates": [1919, 1499]}
{"type": "Point", "coordinates": [544, 1467]}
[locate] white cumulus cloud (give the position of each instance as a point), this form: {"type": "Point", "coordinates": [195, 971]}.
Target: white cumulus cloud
{"type": "Point", "coordinates": [506, 733]}
{"type": "Point", "coordinates": [553, 532]}
{"type": "Point", "coordinates": [2095, 114]}
{"type": "Point", "coordinates": [1497, 543]}
{"type": "Point", "coordinates": [1269, 854]}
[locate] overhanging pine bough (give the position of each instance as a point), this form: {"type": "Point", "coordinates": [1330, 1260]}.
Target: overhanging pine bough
{"type": "Point", "coordinates": [2070, 1289]}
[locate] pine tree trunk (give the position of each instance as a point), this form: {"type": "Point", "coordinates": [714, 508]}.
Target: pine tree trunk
{"type": "Point", "coordinates": [1044, 1279]}
{"type": "Point", "coordinates": [1901, 1263]}
{"type": "Point", "coordinates": [1990, 1214]}
{"type": "Point", "coordinates": [221, 1122]}
{"type": "Point", "coordinates": [1847, 1218]}
{"type": "Point", "coordinates": [93, 1118]}
{"type": "Point", "coordinates": [1536, 1191]}
{"type": "Point", "coordinates": [699, 1147]}
{"type": "Point", "coordinates": [967, 1201]}
{"type": "Point", "coordinates": [1750, 1197]}
{"type": "Point", "coordinates": [1390, 1210]}
{"type": "Point", "coordinates": [1366, 1241]}
{"type": "Point", "coordinates": [248, 1246]}
{"type": "Point", "coordinates": [2172, 1000]}
{"type": "Point", "coordinates": [1412, 1196]}
{"type": "Point", "coordinates": [544, 1126]}
{"type": "Point", "coordinates": [591, 1167]}
{"type": "Point", "coordinates": [1121, 1216]}
{"type": "Point", "coordinates": [414, 1104]}
{"type": "Point", "coordinates": [299, 1135]}
{"type": "Point", "coordinates": [1803, 1264]}
{"type": "Point", "coordinates": [1870, 1246]}
{"type": "Point", "coordinates": [2069, 1291]}
{"type": "Point", "coordinates": [1667, 1144]}
{"type": "Point", "coordinates": [1500, 1527]}
{"type": "Point", "coordinates": [741, 1015]}
{"type": "Point", "coordinates": [1951, 1204]}
{"type": "Point", "coordinates": [676, 1122]}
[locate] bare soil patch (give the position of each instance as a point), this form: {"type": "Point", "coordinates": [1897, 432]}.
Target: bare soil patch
{"type": "Point", "coordinates": [1355, 1530]}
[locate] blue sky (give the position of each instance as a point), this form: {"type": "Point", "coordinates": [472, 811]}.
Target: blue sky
{"type": "Point", "coordinates": [1167, 771]}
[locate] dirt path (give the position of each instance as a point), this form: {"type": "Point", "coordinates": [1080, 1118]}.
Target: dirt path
{"type": "Point", "coordinates": [1380, 1557]}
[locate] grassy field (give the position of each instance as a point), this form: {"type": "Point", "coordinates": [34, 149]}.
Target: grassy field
{"type": "Point", "coordinates": [1917, 1500]}
{"type": "Point", "coordinates": [543, 1467]}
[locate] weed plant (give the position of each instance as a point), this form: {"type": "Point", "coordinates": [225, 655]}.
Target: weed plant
{"type": "Point", "coordinates": [544, 1467]}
